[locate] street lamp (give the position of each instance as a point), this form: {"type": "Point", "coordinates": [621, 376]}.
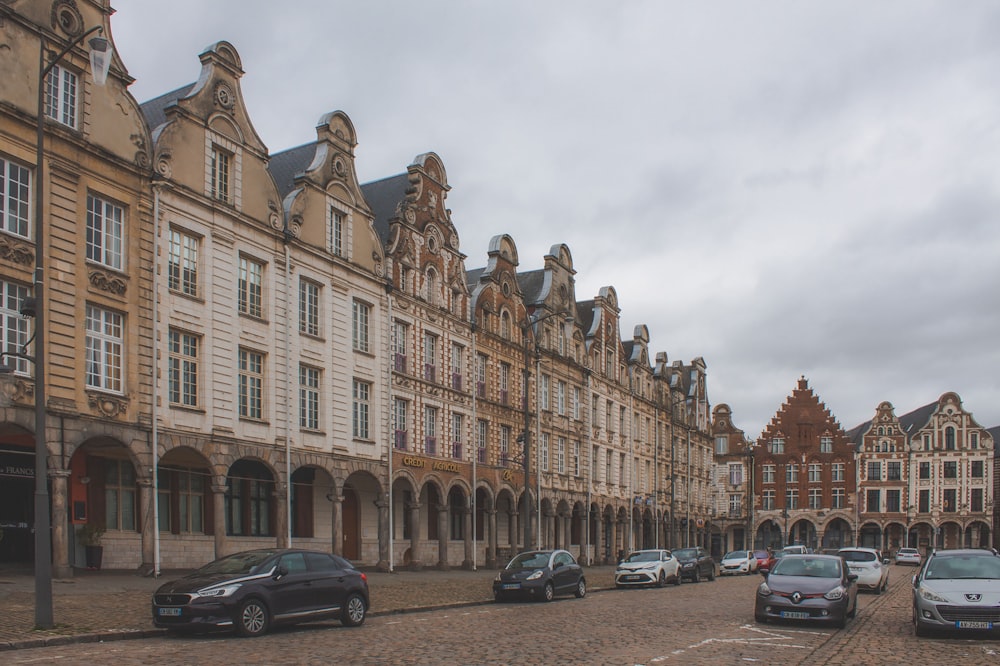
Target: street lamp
{"type": "Point", "coordinates": [527, 325]}
{"type": "Point", "coordinates": [100, 62]}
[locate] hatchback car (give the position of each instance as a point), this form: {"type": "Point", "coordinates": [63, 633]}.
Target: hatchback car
{"type": "Point", "coordinates": [738, 562]}
{"type": "Point", "coordinates": [908, 556]}
{"type": "Point", "coordinates": [696, 564]}
{"type": "Point", "coordinates": [256, 589]}
{"type": "Point", "coordinates": [867, 564]}
{"type": "Point", "coordinates": [540, 574]}
{"type": "Point", "coordinates": [765, 560]}
{"type": "Point", "coordinates": [957, 590]}
{"type": "Point", "coordinates": [648, 567]}
{"type": "Point", "coordinates": [817, 588]}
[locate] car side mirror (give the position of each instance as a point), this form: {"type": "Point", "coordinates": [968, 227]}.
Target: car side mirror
{"type": "Point", "coordinates": [852, 577]}
{"type": "Point", "coordinates": [557, 565]}
{"type": "Point", "coordinates": [915, 581]}
{"type": "Point", "coordinates": [280, 572]}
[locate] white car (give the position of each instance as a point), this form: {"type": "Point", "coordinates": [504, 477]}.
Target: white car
{"type": "Point", "coordinates": [867, 563]}
{"type": "Point", "coordinates": [648, 567]}
{"type": "Point", "coordinates": [738, 562]}
{"type": "Point", "coordinates": [908, 556]}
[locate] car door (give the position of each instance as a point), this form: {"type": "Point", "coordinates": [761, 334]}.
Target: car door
{"type": "Point", "coordinates": [330, 578]}
{"type": "Point", "coordinates": [565, 572]}
{"type": "Point", "coordinates": [290, 588]}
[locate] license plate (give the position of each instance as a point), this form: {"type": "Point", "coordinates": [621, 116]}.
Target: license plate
{"type": "Point", "coordinates": [512, 586]}
{"type": "Point", "coordinates": [632, 577]}
{"type": "Point", "coordinates": [795, 615]}
{"type": "Point", "coordinates": [973, 624]}
{"type": "Point", "coordinates": [169, 611]}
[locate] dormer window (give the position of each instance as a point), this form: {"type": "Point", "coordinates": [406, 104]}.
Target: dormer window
{"type": "Point", "coordinates": [61, 87]}
{"type": "Point", "coordinates": [221, 175]}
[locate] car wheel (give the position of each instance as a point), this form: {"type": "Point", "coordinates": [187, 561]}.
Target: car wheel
{"type": "Point", "coordinates": [854, 609]}
{"type": "Point", "coordinates": [677, 578]}
{"type": "Point", "coordinates": [581, 588]}
{"type": "Point", "coordinates": [878, 589]}
{"type": "Point", "coordinates": [711, 573]}
{"type": "Point", "coordinates": [919, 629]}
{"type": "Point", "coordinates": [762, 619]}
{"type": "Point", "coordinates": [498, 598]}
{"type": "Point", "coordinates": [662, 579]}
{"type": "Point", "coordinates": [697, 576]}
{"type": "Point", "coordinates": [354, 610]}
{"type": "Point", "coordinates": [549, 592]}
{"type": "Point", "coordinates": [841, 623]}
{"type": "Point", "coordinates": [252, 619]}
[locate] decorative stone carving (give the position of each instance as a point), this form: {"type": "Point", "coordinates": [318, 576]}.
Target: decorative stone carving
{"type": "Point", "coordinates": [163, 165]}
{"type": "Point", "coordinates": [67, 17]}
{"type": "Point", "coordinates": [17, 251]}
{"type": "Point", "coordinates": [109, 406]}
{"type": "Point", "coordinates": [15, 389]}
{"type": "Point", "coordinates": [224, 96]}
{"type": "Point", "coordinates": [108, 282]}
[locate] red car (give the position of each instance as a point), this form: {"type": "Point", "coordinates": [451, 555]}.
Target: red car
{"type": "Point", "coordinates": [765, 560]}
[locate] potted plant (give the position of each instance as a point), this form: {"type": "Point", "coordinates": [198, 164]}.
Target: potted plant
{"type": "Point", "coordinates": [90, 536]}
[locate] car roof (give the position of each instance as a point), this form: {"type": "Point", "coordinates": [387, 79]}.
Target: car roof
{"type": "Point", "coordinates": [964, 552]}
{"type": "Point", "coordinates": [857, 548]}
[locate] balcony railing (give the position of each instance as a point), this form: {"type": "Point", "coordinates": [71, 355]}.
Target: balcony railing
{"type": "Point", "coordinates": [430, 445]}
{"type": "Point", "coordinates": [400, 439]}
{"type": "Point", "coordinates": [399, 362]}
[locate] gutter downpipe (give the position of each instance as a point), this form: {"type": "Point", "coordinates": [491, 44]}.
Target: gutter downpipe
{"type": "Point", "coordinates": [474, 442]}
{"type": "Point", "coordinates": [286, 236]}
{"type": "Point", "coordinates": [155, 397]}
{"type": "Point", "coordinates": [390, 439]}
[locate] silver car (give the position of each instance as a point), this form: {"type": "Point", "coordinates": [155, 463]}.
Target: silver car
{"type": "Point", "coordinates": [957, 590]}
{"type": "Point", "coordinates": [648, 567]}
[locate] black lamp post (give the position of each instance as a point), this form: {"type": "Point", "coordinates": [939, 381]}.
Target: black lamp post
{"type": "Point", "coordinates": [100, 62]}
{"type": "Point", "coordinates": [526, 499]}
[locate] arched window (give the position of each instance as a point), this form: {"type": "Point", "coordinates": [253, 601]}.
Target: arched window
{"type": "Point", "coordinates": [430, 292]}
{"type": "Point", "coordinates": [505, 325]}
{"type": "Point", "coordinates": [949, 438]}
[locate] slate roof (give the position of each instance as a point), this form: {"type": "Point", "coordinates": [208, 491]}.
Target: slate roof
{"type": "Point", "coordinates": [909, 422]}
{"type": "Point", "coordinates": [472, 277]}
{"type": "Point", "coordinates": [383, 196]}
{"type": "Point", "coordinates": [155, 110]}
{"type": "Point", "coordinates": [531, 283]}
{"type": "Point", "coordinates": [287, 164]}
{"type": "Point", "coordinates": [995, 431]}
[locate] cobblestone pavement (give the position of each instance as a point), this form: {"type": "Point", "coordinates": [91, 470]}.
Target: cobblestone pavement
{"type": "Point", "coordinates": [707, 623]}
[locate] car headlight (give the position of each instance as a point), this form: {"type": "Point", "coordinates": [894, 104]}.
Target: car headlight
{"type": "Point", "coordinates": [218, 592]}
{"type": "Point", "coordinates": [535, 575]}
{"type": "Point", "coordinates": [763, 590]}
{"type": "Point", "coordinates": [688, 565]}
{"type": "Point", "coordinates": [497, 579]}
{"type": "Point", "coordinates": [930, 596]}
{"type": "Point", "coordinates": [835, 593]}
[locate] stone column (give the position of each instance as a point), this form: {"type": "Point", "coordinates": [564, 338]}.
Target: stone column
{"type": "Point", "coordinates": [382, 505]}
{"type": "Point", "coordinates": [148, 534]}
{"type": "Point", "coordinates": [491, 538]}
{"type": "Point", "coordinates": [614, 540]}
{"type": "Point", "coordinates": [337, 523]}
{"type": "Point", "coordinates": [442, 510]}
{"type": "Point", "coordinates": [567, 530]}
{"type": "Point", "coordinates": [60, 524]}
{"type": "Point", "coordinates": [414, 509]}
{"type": "Point", "coordinates": [598, 539]}
{"type": "Point", "coordinates": [468, 562]}
{"type": "Point", "coordinates": [219, 516]}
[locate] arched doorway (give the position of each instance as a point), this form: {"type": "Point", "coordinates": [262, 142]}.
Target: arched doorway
{"type": "Point", "coordinates": [769, 536]}
{"type": "Point", "coordinates": [838, 534]}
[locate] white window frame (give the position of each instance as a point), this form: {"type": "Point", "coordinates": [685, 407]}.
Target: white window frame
{"type": "Point", "coordinates": [251, 384]}
{"type": "Point", "coordinates": [184, 351]}
{"type": "Point", "coordinates": [183, 256]}
{"type": "Point", "coordinates": [309, 307]}
{"type": "Point", "coordinates": [361, 314]}
{"type": "Point", "coordinates": [361, 409]}
{"type": "Point", "coordinates": [14, 333]}
{"type": "Point", "coordinates": [15, 198]}
{"type": "Point", "coordinates": [104, 349]}
{"type": "Point", "coordinates": [251, 287]}
{"type": "Point", "coordinates": [309, 397]}
{"type": "Point", "coordinates": [105, 232]}
{"type": "Point", "coordinates": [337, 227]}
{"type": "Point", "coordinates": [62, 87]}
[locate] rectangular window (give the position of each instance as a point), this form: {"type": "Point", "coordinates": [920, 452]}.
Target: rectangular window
{"type": "Point", "coordinates": [925, 470]}
{"type": "Point", "coordinates": [577, 461]}
{"type": "Point", "coordinates": [251, 287]}
{"type": "Point", "coordinates": [430, 357]}
{"type": "Point", "coordinates": [561, 455]}
{"type": "Point", "coordinates": [15, 198]}
{"type": "Point", "coordinates": [978, 467]}
{"type": "Point", "coordinates": [875, 470]}
{"type": "Point", "coordinates": [105, 229]}
{"type": "Point", "coordinates": [182, 500]}
{"type": "Point", "coordinates": [838, 498]}
{"type": "Point", "coordinates": [457, 425]}
{"type": "Point", "coordinates": [977, 500]}
{"type": "Point", "coordinates": [251, 384]}
{"type": "Point", "coordinates": [222, 164]}
{"type": "Point", "coordinates": [504, 383]}
{"type": "Point", "coordinates": [336, 239]}
{"type": "Point", "coordinates": [815, 498]}
{"type": "Point", "coordinates": [894, 471]}
{"type": "Point", "coordinates": [792, 473]}
{"type": "Point", "coordinates": [608, 466]}
{"type": "Point", "coordinates": [778, 445]}
{"type": "Point", "coordinates": [543, 452]}
{"type": "Point", "coordinates": [735, 502]}
{"type": "Point", "coordinates": [182, 380]}
{"type": "Point", "coordinates": [182, 263]}
{"type": "Point", "coordinates": [815, 471]}
{"type": "Point", "coordinates": [457, 351]}
{"type": "Point", "coordinates": [60, 96]}
{"type": "Point", "coordinates": [838, 471]}
{"type": "Point", "coordinates": [543, 392]}
{"type": "Point", "coordinates": [826, 444]}
{"type": "Point", "coordinates": [360, 316]}
{"type": "Point", "coordinates": [505, 433]}
{"type": "Point", "coordinates": [576, 402]}
{"type": "Point", "coordinates": [873, 500]}
{"type": "Point", "coordinates": [792, 498]}
{"type": "Point", "coordinates": [950, 469]}
{"type": "Point", "coordinates": [950, 505]}
{"type": "Point", "coordinates": [481, 375]}
{"type": "Point", "coordinates": [119, 495]}
{"type": "Point", "coordinates": [767, 500]}
{"type": "Point", "coordinates": [430, 430]}
{"type": "Point", "coordinates": [15, 327]}
{"type": "Point", "coordinates": [400, 332]}
{"type": "Point", "coordinates": [561, 398]}
{"type": "Point", "coordinates": [308, 397]}
{"type": "Point", "coordinates": [768, 473]}
{"type": "Point", "coordinates": [399, 423]}
{"type": "Point", "coordinates": [621, 469]}
{"type": "Point", "coordinates": [482, 440]}
{"type": "Point", "coordinates": [893, 500]}
{"type": "Point", "coordinates": [309, 307]}
{"type": "Point", "coordinates": [104, 345]}
{"type": "Point", "coordinates": [721, 445]}
{"type": "Point", "coordinates": [595, 459]}
{"type": "Point", "coordinates": [361, 412]}
{"type": "Point", "coordinates": [735, 474]}
{"type": "Point", "coordinates": [924, 501]}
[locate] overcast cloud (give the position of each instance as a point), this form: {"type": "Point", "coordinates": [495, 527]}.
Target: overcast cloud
{"type": "Point", "coordinates": [783, 188]}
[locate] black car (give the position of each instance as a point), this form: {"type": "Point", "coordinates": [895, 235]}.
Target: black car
{"type": "Point", "coordinates": [696, 564]}
{"type": "Point", "coordinates": [540, 574]}
{"type": "Point", "coordinates": [256, 589]}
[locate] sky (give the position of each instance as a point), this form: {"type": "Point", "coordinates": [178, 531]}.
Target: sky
{"type": "Point", "coordinates": [786, 189]}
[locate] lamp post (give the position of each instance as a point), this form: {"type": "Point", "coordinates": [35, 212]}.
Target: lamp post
{"type": "Point", "coordinates": [526, 435]}
{"type": "Point", "coordinates": [100, 62]}
{"type": "Point", "coordinates": [750, 453]}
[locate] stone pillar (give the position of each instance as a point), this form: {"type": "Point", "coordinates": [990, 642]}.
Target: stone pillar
{"type": "Point", "coordinates": [598, 539]}
{"type": "Point", "coordinates": [491, 538]}
{"type": "Point", "coordinates": [148, 534]}
{"type": "Point", "coordinates": [219, 518]}
{"type": "Point", "coordinates": [414, 509]}
{"type": "Point", "coordinates": [442, 510]}
{"type": "Point", "coordinates": [337, 524]}
{"type": "Point", "coordinates": [614, 540]}
{"type": "Point", "coordinates": [515, 531]}
{"type": "Point", "coordinates": [60, 524]}
{"type": "Point", "coordinates": [469, 561]}
{"type": "Point", "coordinates": [382, 506]}
{"type": "Point", "coordinates": [568, 530]}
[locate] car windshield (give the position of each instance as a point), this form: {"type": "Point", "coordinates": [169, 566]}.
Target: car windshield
{"type": "Point", "coordinates": [736, 555]}
{"type": "Point", "coordinates": [239, 563]}
{"type": "Point", "coordinates": [963, 566]}
{"type": "Point", "coordinates": [807, 566]}
{"type": "Point", "coordinates": [529, 561]}
{"type": "Point", "coordinates": [761, 555]}
{"type": "Point", "coordinates": [858, 556]}
{"type": "Point", "coordinates": [685, 553]}
{"type": "Point", "coordinates": [644, 556]}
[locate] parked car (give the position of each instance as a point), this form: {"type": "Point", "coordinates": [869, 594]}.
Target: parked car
{"type": "Point", "coordinates": [738, 562]}
{"type": "Point", "coordinates": [796, 549]}
{"type": "Point", "coordinates": [867, 564]}
{"type": "Point", "coordinates": [811, 587]}
{"type": "Point", "coordinates": [648, 567]}
{"type": "Point", "coordinates": [696, 564]}
{"type": "Point", "coordinates": [254, 590]}
{"type": "Point", "coordinates": [765, 560]}
{"type": "Point", "coordinates": [540, 574]}
{"type": "Point", "coordinates": [908, 556]}
{"type": "Point", "coordinates": [957, 590]}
